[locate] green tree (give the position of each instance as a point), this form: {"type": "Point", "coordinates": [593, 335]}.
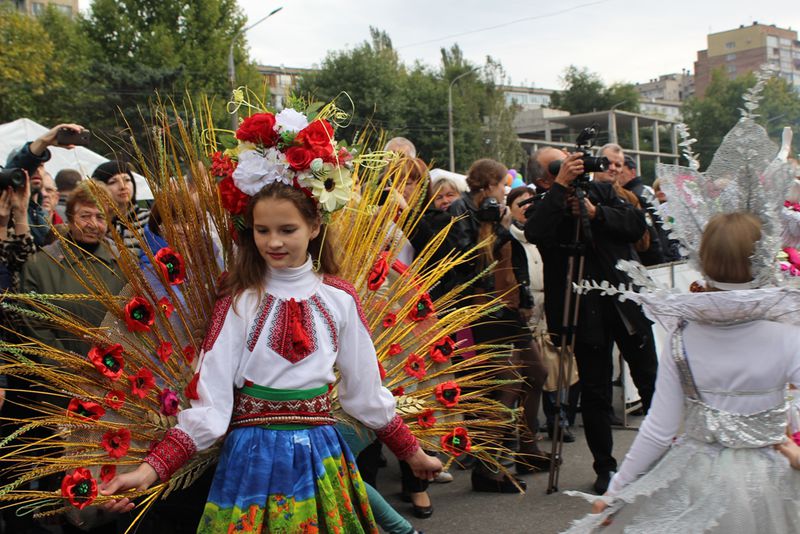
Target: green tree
{"type": "Point", "coordinates": [26, 53]}
{"type": "Point", "coordinates": [711, 117]}
{"type": "Point", "coordinates": [584, 92]}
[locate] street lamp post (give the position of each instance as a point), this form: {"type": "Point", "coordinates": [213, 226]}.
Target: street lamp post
{"type": "Point", "coordinates": [232, 67]}
{"type": "Point", "coordinates": [450, 117]}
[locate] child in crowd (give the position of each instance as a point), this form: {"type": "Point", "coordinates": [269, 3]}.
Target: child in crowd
{"type": "Point", "coordinates": [283, 465]}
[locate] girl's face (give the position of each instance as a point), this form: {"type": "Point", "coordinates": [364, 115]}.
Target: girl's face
{"type": "Point", "coordinates": [120, 186]}
{"type": "Point", "coordinates": [281, 233]}
{"type": "Point", "coordinates": [498, 191]}
{"type": "Point", "coordinates": [446, 196]}
{"type": "Point", "coordinates": [517, 213]}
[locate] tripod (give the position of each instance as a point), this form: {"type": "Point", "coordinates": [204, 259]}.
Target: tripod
{"type": "Point", "coordinates": [569, 321]}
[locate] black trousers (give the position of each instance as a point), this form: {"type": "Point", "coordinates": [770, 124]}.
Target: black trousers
{"type": "Point", "coordinates": [595, 367]}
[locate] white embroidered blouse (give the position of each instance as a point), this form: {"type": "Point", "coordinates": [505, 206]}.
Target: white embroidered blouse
{"type": "Point", "coordinates": [250, 344]}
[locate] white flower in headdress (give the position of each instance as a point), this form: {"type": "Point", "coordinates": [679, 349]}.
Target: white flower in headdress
{"type": "Point", "coordinates": [331, 186]}
{"type": "Point", "coordinates": [254, 170]}
{"type": "Point", "coordinates": [290, 120]}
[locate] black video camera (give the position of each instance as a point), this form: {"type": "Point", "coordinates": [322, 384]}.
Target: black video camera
{"type": "Point", "coordinates": [14, 178]}
{"type": "Point", "coordinates": [590, 163]}
{"type": "Point", "coordinates": [489, 211]}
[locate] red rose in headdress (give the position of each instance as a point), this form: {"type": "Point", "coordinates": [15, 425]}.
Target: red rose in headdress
{"type": "Point", "coordinates": [233, 199]}
{"type": "Point", "coordinates": [79, 487]}
{"type": "Point", "coordinates": [142, 382]}
{"type": "Point", "coordinates": [317, 136]}
{"type": "Point", "coordinates": [378, 273]}
{"type": "Point", "coordinates": [85, 409]}
{"type": "Point", "coordinates": [222, 165]}
{"type": "Point", "coordinates": [258, 129]}
{"type": "Point", "coordinates": [117, 442]}
{"type": "Point", "coordinates": [166, 306]}
{"type": "Point", "coordinates": [422, 309]}
{"type": "Point", "coordinates": [457, 442]}
{"type": "Point", "coordinates": [448, 393]}
{"type": "Point", "coordinates": [138, 315]}
{"type": "Point", "coordinates": [426, 419]}
{"type": "Point", "coordinates": [108, 472]}
{"type": "Point", "coordinates": [164, 351]}
{"type": "Point", "coordinates": [190, 391]}
{"type": "Point", "coordinates": [172, 265]}
{"type": "Point", "coordinates": [108, 360]}
{"type": "Point", "coordinates": [299, 157]}
{"type": "Point", "coordinates": [115, 399]}
{"type": "Point", "coordinates": [415, 366]}
{"type": "Point", "coordinates": [441, 351]}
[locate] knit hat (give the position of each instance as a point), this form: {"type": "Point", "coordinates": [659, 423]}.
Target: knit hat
{"type": "Point", "coordinates": [110, 168]}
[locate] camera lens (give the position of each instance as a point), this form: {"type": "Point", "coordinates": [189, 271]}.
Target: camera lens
{"type": "Point", "coordinates": [595, 164]}
{"type": "Point", "coordinates": [14, 178]}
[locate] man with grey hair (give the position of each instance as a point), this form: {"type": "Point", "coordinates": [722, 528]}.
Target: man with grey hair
{"type": "Point", "coordinates": [401, 145]}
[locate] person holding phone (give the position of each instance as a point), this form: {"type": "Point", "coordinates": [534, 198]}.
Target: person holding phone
{"type": "Point", "coordinates": [31, 158]}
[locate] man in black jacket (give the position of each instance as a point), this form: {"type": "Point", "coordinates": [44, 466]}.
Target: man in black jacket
{"type": "Point", "coordinates": [602, 321]}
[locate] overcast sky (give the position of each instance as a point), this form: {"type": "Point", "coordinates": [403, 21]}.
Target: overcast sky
{"type": "Point", "coordinates": [622, 40]}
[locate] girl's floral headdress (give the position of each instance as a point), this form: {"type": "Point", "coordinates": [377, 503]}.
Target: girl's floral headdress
{"type": "Point", "coordinates": [288, 148]}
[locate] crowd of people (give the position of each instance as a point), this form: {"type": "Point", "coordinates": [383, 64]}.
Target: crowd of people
{"type": "Point", "coordinates": [526, 238]}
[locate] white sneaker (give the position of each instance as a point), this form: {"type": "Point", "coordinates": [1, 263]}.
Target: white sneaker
{"type": "Point", "coordinates": [443, 477]}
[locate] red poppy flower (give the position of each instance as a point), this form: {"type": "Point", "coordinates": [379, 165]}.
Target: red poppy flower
{"type": "Point", "coordinates": [448, 393]}
{"type": "Point", "coordinates": [415, 366]}
{"type": "Point", "coordinates": [142, 382]}
{"type": "Point", "coordinates": [233, 199]}
{"type": "Point", "coordinates": [169, 402]}
{"type": "Point", "coordinates": [164, 351]}
{"type": "Point", "coordinates": [399, 391]}
{"type": "Point", "coordinates": [457, 442]}
{"type": "Point", "coordinates": [378, 273]}
{"type": "Point", "coordinates": [441, 351]}
{"type": "Point", "coordinates": [390, 320]}
{"type": "Point", "coordinates": [117, 442]}
{"type": "Point", "coordinates": [190, 391]}
{"type": "Point", "coordinates": [395, 349]}
{"type": "Point", "coordinates": [108, 360]}
{"type": "Point", "coordinates": [423, 308]}
{"type": "Point", "coordinates": [426, 419]}
{"type": "Point", "coordinates": [79, 487]}
{"type": "Point", "coordinates": [108, 472]}
{"type": "Point", "coordinates": [381, 370]}
{"type": "Point", "coordinates": [85, 410]}
{"type": "Point", "coordinates": [166, 306]}
{"type": "Point", "coordinates": [115, 399]}
{"type": "Point", "coordinates": [222, 165]}
{"type": "Point", "coordinates": [189, 353]}
{"type": "Point", "coordinates": [172, 265]}
{"type": "Point", "coordinates": [138, 315]}
{"type": "Point", "coordinates": [259, 129]}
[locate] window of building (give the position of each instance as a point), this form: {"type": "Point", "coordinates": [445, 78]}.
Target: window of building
{"type": "Point", "coordinates": [730, 57]}
{"type": "Point", "coordinates": [37, 8]}
{"type": "Point", "coordinates": [772, 40]}
{"type": "Point", "coordinates": [730, 44]}
{"type": "Point", "coordinates": [731, 69]}
{"type": "Point", "coordinates": [66, 10]}
{"type": "Point", "coordinates": [786, 42]}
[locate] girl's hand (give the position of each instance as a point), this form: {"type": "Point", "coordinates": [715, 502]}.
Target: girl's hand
{"type": "Point", "coordinates": [425, 467]}
{"type": "Point", "coordinates": [597, 507]}
{"type": "Point", "coordinates": [140, 479]}
{"type": "Point", "coordinates": [791, 450]}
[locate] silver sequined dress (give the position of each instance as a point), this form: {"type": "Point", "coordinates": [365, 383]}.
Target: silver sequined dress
{"type": "Point", "coordinates": [722, 474]}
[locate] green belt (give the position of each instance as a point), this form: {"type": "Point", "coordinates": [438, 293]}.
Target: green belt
{"type": "Point", "coordinates": [263, 392]}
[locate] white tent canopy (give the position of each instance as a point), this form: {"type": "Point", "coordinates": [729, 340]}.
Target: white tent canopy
{"type": "Point", "coordinates": [15, 134]}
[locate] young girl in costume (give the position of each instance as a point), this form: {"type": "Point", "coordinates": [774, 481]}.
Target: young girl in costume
{"type": "Point", "coordinates": [278, 330]}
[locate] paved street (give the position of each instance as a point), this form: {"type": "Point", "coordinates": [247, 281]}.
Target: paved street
{"type": "Point", "coordinates": [459, 510]}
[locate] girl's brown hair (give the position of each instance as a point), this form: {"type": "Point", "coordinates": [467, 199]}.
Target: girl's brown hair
{"type": "Point", "coordinates": [481, 175]}
{"type": "Point", "coordinates": [249, 268]}
{"type": "Point", "coordinates": [728, 242]}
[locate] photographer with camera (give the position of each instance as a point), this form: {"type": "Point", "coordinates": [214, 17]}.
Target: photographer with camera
{"type": "Point", "coordinates": [31, 159]}
{"type": "Point", "coordinates": [609, 228]}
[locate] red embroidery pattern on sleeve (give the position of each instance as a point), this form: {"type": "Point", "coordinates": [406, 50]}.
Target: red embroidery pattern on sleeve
{"type": "Point", "coordinates": [328, 317]}
{"type": "Point", "coordinates": [258, 325]}
{"type": "Point", "coordinates": [398, 438]}
{"type": "Point", "coordinates": [171, 453]}
{"type": "Point", "coordinates": [348, 288]}
{"type": "Point", "coordinates": [217, 320]}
